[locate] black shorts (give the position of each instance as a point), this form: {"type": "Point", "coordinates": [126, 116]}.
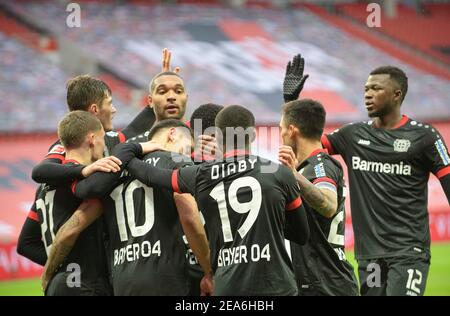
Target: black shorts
{"type": "Point", "coordinates": [394, 276]}
{"type": "Point", "coordinates": [59, 286]}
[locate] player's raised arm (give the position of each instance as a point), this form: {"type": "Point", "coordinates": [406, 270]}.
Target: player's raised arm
{"type": "Point", "coordinates": [30, 244]}
{"type": "Point", "coordinates": [294, 79]}
{"type": "Point", "coordinates": [140, 124]}
{"type": "Point", "coordinates": [196, 236]}
{"type": "Point", "coordinates": [67, 236]}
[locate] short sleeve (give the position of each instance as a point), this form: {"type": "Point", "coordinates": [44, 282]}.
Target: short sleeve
{"type": "Point", "coordinates": [337, 141]}
{"type": "Point", "coordinates": [291, 189]}
{"type": "Point", "coordinates": [326, 175]}
{"type": "Point", "coordinates": [436, 154]}
{"type": "Point", "coordinates": [184, 180]}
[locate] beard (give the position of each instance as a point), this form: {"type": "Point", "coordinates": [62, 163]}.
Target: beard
{"type": "Point", "coordinates": [385, 110]}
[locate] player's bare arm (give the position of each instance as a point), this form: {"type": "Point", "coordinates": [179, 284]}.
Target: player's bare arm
{"type": "Point", "coordinates": [67, 235]}
{"type": "Point", "coordinates": [322, 200]}
{"type": "Point", "coordinates": [196, 236]}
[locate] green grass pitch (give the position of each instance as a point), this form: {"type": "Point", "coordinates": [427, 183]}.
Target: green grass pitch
{"type": "Point", "coordinates": [438, 278]}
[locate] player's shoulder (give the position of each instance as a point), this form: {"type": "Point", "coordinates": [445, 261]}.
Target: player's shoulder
{"type": "Point", "coordinates": [421, 130]}
{"type": "Point", "coordinates": [349, 128]}
{"type": "Point", "coordinates": [281, 173]}
{"type": "Point", "coordinates": [141, 138]}
{"type": "Point", "coordinates": [328, 160]}
{"type": "Point", "coordinates": [322, 160]}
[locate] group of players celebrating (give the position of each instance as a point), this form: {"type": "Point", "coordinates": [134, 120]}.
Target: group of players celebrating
{"type": "Point", "coordinates": [169, 207]}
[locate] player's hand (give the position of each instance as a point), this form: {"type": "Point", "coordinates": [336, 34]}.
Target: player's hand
{"type": "Point", "coordinates": [150, 146]}
{"type": "Point", "coordinates": [208, 146]}
{"type": "Point", "coordinates": [287, 157]}
{"type": "Point", "coordinates": [207, 285]}
{"type": "Point", "coordinates": [107, 164]}
{"type": "Point", "coordinates": [166, 62]}
{"type": "Point", "coordinates": [294, 78]}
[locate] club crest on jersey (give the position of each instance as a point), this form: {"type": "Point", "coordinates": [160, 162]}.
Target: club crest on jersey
{"type": "Point", "coordinates": [401, 145]}
{"type": "Point", "coordinates": [319, 170]}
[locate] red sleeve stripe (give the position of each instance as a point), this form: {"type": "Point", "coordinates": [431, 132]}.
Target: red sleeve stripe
{"type": "Point", "coordinates": [175, 186]}
{"type": "Point", "coordinates": [55, 156]}
{"type": "Point", "coordinates": [325, 179]}
{"type": "Point", "coordinates": [294, 204]}
{"type": "Point", "coordinates": [443, 172]}
{"type": "Point", "coordinates": [74, 184]}
{"type": "Point", "coordinates": [122, 137]}
{"type": "Point", "coordinates": [33, 215]}
{"type": "Point", "coordinates": [326, 143]}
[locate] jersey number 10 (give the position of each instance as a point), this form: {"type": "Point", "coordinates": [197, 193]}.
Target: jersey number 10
{"type": "Point", "coordinates": [136, 231]}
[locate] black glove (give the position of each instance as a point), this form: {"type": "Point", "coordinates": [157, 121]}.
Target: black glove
{"type": "Point", "coordinates": [294, 79]}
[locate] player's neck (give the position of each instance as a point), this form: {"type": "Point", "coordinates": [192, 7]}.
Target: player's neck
{"type": "Point", "coordinates": [81, 155]}
{"type": "Point", "coordinates": [388, 121]}
{"type": "Point", "coordinates": [305, 147]}
{"type": "Point", "coordinates": [162, 140]}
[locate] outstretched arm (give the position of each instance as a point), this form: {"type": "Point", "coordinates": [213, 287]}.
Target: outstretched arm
{"type": "Point", "coordinates": [52, 172]}
{"type": "Point", "coordinates": [100, 183]}
{"type": "Point", "coordinates": [67, 235]}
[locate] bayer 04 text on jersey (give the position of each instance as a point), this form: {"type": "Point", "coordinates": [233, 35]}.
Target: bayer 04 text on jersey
{"type": "Point", "coordinates": [243, 254]}
{"type": "Point", "coordinates": [135, 251]}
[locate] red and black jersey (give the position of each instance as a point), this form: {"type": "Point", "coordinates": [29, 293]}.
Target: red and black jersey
{"type": "Point", "coordinates": [147, 255]}
{"type": "Point", "coordinates": [244, 201]}
{"type": "Point", "coordinates": [320, 265]}
{"type": "Point", "coordinates": [388, 174]}
{"type": "Point", "coordinates": [52, 207]}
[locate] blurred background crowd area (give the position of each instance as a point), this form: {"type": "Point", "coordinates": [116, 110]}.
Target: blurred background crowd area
{"type": "Point", "coordinates": [231, 52]}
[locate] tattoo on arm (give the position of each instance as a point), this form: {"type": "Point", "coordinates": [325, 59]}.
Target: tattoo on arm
{"type": "Point", "coordinates": [62, 245]}
{"type": "Point", "coordinates": [315, 197]}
